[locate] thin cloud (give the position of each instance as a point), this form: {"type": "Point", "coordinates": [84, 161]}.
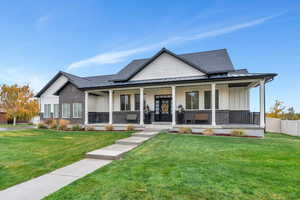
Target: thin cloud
{"type": "Point", "coordinates": [42, 21]}
{"type": "Point", "coordinates": [118, 56]}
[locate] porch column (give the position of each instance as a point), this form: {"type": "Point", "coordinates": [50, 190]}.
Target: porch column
{"type": "Point", "coordinates": [86, 107]}
{"type": "Point", "coordinates": [213, 104]}
{"type": "Point", "coordinates": [262, 103]}
{"type": "Point", "coordinates": [110, 106]}
{"type": "Point", "coordinates": [141, 106]}
{"type": "Point", "coordinates": [173, 105]}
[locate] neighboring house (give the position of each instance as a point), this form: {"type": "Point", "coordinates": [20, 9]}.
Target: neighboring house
{"type": "Point", "coordinates": [3, 117]}
{"type": "Point", "coordinates": [204, 85]}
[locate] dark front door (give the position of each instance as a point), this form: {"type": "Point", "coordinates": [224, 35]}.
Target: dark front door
{"type": "Point", "coordinates": [163, 111]}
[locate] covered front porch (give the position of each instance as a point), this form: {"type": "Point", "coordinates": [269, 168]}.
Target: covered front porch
{"type": "Point", "coordinates": [199, 105]}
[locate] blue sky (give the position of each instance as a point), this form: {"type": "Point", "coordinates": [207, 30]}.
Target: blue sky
{"type": "Point", "coordinates": [93, 37]}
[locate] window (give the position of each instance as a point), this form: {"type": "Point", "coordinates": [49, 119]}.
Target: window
{"type": "Point", "coordinates": [77, 110]}
{"type": "Point", "coordinates": [207, 99]}
{"type": "Point", "coordinates": [125, 102]}
{"type": "Point", "coordinates": [192, 100]}
{"type": "Point", "coordinates": [47, 110]}
{"type": "Point", "coordinates": [137, 102]}
{"type": "Point", "coordinates": [56, 111]}
{"type": "Point", "coordinates": [66, 110]}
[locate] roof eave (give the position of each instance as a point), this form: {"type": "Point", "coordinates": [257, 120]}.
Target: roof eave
{"type": "Point", "coordinates": [268, 77]}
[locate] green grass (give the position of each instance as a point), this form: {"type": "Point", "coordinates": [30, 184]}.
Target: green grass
{"type": "Point", "coordinates": [16, 126]}
{"type": "Point", "coordinates": [197, 167]}
{"type": "Point", "coordinates": [30, 153]}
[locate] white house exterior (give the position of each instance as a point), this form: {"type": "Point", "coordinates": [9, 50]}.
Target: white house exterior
{"type": "Point", "coordinates": [199, 90]}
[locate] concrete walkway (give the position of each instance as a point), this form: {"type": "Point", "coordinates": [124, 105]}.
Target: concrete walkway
{"type": "Point", "coordinates": [47, 184]}
{"type": "Point", "coordinates": [16, 128]}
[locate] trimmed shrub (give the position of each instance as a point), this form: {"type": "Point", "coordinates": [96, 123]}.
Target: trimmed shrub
{"type": "Point", "coordinates": [237, 132]}
{"type": "Point", "coordinates": [208, 132]}
{"type": "Point", "coordinates": [42, 126]}
{"type": "Point", "coordinates": [109, 127]}
{"type": "Point", "coordinates": [89, 128]}
{"type": "Point", "coordinates": [63, 124]}
{"type": "Point", "coordinates": [185, 130]}
{"type": "Point", "coordinates": [130, 127]}
{"type": "Point", "coordinates": [76, 127]}
{"type": "Point", "coordinates": [48, 122]}
{"type": "Point", "coordinates": [53, 125]}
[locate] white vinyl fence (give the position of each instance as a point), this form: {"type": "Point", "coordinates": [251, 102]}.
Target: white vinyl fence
{"type": "Point", "coordinates": [290, 127]}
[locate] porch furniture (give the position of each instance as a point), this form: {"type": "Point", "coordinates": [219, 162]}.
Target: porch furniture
{"type": "Point", "coordinates": [202, 117]}
{"type": "Point", "coordinates": [131, 117]}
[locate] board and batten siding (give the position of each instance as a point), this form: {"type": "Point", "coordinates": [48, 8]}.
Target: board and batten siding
{"type": "Point", "coordinates": [48, 98]}
{"type": "Point", "coordinates": [239, 98]}
{"type": "Point", "coordinates": [166, 66]}
{"type": "Point", "coordinates": [98, 103]}
{"type": "Point", "coordinates": [236, 98]}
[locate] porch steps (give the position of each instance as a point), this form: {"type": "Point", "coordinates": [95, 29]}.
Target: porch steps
{"type": "Point", "coordinates": [146, 133]}
{"type": "Point", "coordinates": [112, 152]}
{"type": "Point", "coordinates": [122, 146]}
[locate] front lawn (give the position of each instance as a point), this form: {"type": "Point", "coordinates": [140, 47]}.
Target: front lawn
{"type": "Point", "coordinates": [16, 126]}
{"type": "Point", "coordinates": [197, 167]}
{"type": "Point", "coordinates": [30, 153]}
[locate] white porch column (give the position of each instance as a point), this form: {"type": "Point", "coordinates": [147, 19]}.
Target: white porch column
{"type": "Point", "coordinates": [262, 103]}
{"type": "Point", "coordinates": [86, 107]}
{"type": "Point", "coordinates": [213, 104]}
{"type": "Point", "coordinates": [141, 106]}
{"type": "Point", "coordinates": [110, 106]}
{"type": "Point", "coordinates": [173, 105]}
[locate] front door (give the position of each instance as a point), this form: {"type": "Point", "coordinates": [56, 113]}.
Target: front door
{"type": "Point", "coordinates": [163, 106]}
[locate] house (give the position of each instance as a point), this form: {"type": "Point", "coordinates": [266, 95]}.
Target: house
{"type": "Point", "coordinates": [3, 117]}
{"type": "Point", "coordinates": [198, 90]}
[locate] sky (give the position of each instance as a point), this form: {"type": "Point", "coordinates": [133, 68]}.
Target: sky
{"type": "Point", "coordinates": [94, 37]}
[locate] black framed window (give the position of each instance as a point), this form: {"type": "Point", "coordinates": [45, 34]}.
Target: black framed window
{"type": "Point", "coordinates": [207, 99]}
{"type": "Point", "coordinates": [137, 102]}
{"type": "Point", "coordinates": [192, 100]}
{"type": "Point", "coordinates": [125, 102]}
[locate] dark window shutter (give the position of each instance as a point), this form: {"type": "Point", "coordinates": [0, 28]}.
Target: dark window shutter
{"type": "Point", "coordinates": [207, 99]}
{"type": "Point", "coordinates": [217, 99]}
{"type": "Point", "coordinates": [137, 102]}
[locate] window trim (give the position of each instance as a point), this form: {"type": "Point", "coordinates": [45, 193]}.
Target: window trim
{"type": "Point", "coordinates": [217, 108]}
{"type": "Point", "coordinates": [197, 91]}
{"type": "Point", "coordinates": [73, 113]}
{"type": "Point", "coordinates": [129, 102]}
{"type": "Point", "coordinates": [44, 115]}
{"type": "Point", "coordinates": [63, 114]}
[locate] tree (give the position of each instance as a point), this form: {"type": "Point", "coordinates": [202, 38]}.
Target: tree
{"type": "Point", "coordinates": [18, 102]}
{"type": "Point", "coordinates": [277, 110]}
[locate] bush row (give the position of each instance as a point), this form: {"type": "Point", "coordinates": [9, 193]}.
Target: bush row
{"type": "Point", "coordinates": [65, 125]}
{"type": "Point", "coordinates": [210, 131]}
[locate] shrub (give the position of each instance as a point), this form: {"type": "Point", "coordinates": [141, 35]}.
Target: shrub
{"type": "Point", "coordinates": [89, 128]}
{"type": "Point", "coordinates": [48, 122]}
{"type": "Point", "coordinates": [130, 127]}
{"type": "Point", "coordinates": [208, 131]}
{"type": "Point", "coordinates": [237, 132]}
{"type": "Point", "coordinates": [63, 124]}
{"type": "Point", "coordinates": [42, 126]}
{"type": "Point", "coordinates": [53, 125]}
{"type": "Point", "coordinates": [109, 127]}
{"type": "Point", "coordinates": [185, 130]}
{"type": "Point", "coordinates": [76, 127]}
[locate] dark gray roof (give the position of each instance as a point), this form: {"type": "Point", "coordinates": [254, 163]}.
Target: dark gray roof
{"type": "Point", "coordinates": [215, 64]}
{"type": "Point", "coordinates": [215, 77]}
{"type": "Point", "coordinates": [207, 61]}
